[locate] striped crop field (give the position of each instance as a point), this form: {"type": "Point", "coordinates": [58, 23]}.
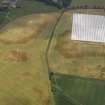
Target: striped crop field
{"type": "Point", "coordinates": [73, 90]}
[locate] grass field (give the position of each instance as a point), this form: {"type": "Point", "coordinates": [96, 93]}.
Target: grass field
{"type": "Point", "coordinates": [28, 7]}
{"type": "Point", "coordinates": [23, 71]}
{"type": "Point", "coordinates": [2, 16]}
{"type": "Point", "coordinates": [72, 90]}
{"type": "Point", "coordinates": [88, 2]}
{"type": "Point", "coordinates": [32, 6]}
{"type": "Point", "coordinates": [74, 57]}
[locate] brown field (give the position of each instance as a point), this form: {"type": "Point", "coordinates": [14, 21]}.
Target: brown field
{"type": "Point", "coordinates": [17, 56]}
{"type": "Point", "coordinates": [23, 70]}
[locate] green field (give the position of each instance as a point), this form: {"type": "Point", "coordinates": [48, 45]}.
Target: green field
{"type": "Point", "coordinates": [28, 7]}
{"type": "Point", "coordinates": [31, 6]}
{"type": "Point", "coordinates": [88, 2]}
{"type": "Point", "coordinates": [3, 18]}
{"type": "Point", "coordinates": [72, 90]}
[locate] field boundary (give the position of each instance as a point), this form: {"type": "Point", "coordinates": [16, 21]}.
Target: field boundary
{"type": "Point", "coordinates": [50, 40]}
{"type": "Point", "coordinates": [70, 99]}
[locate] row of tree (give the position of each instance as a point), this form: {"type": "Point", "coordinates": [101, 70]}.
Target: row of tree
{"type": "Point", "coordinates": [57, 3]}
{"type": "Point", "coordinates": [67, 3]}
{"type": "Point", "coordinates": [60, 3]}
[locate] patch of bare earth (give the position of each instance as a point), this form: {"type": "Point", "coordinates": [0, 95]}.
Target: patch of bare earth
{"type": "Point", "coordinates": [17, 56]}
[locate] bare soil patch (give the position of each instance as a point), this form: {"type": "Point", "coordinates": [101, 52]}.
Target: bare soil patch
{"type": "Point", "coordinates": [17, 56]}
